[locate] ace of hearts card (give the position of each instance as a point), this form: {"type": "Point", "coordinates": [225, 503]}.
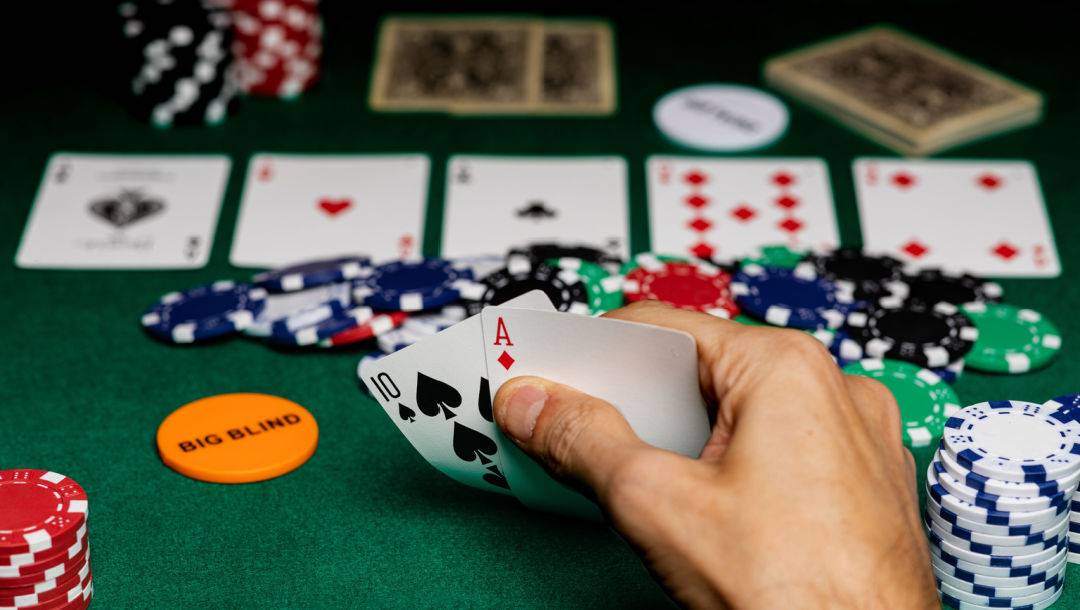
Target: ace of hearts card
{"type": "Point", "coordinates": [124, 211]}
{"type": "Point", "coordinates": [985, 217]}
{"type": "Point", "coordinates": [726, 208]}
{"type": "Point", "coordinates": [302, 207]}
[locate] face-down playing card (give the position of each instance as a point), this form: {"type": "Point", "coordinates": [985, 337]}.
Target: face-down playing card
{"type": "Point", "coordinates": [650, 374]}
{"type": "Point", "coordinates": [436, 392]}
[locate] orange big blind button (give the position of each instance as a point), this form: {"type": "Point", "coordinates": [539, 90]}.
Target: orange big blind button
{"type": "Point", "coordinates": [237, 438]}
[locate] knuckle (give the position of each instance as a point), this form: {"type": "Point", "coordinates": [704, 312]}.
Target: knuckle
{"type": "Point", "coordinates": [798, 348]}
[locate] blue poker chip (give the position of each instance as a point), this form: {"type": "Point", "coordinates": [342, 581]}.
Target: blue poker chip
{"type": "Point", "coordinates": [316, 324]}
{"type": "Point", "coordinates": [313, 273]}
{"type": "Point", "coordinates": [794, 298]}
{"type": "Point", "coordinates": [412, 285]}
{"type": "Point", "coordinates": [205, 312]}
{"type": "Point", "coordinates": [301, 308]}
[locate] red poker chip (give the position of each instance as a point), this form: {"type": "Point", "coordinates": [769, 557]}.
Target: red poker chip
{"type": "Point", "coordinates": [39, 593]}
{"type": "Point", "coordinates": [56, 571]}
{"type": "Point", "coordinates": [686, 285]}
{"type": "Point", "coordinates": [374, 327]}
{"type": "Point", "coordinates": [74, 597]}
{"type": "Point", "coordinates": [41, 565]}
{"type": "Point", "coordinates": [39, 510]}
{"type": "Point", "coordinates": [59, 548]}
{"type": "Point", "coordinates": [277, 45]}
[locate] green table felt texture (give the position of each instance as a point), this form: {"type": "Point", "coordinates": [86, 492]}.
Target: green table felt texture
{"type": "Point", "coordinates": [366, 522]}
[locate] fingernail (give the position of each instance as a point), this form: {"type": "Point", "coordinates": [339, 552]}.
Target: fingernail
{"type": "Point", "coordinates": [523, 409]}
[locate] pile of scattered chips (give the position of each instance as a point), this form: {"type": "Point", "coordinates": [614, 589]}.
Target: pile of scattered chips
{"type": "Point", "coordinates": [277, 45]}
{"type": "Point", "coordinates": [44, 550]}
{"type": "Point", "coordinates": [179, 60]}
{"type": "Point", "coordinates": [998, 508]}
{"type": "Point", "coordinates": [861, 307]}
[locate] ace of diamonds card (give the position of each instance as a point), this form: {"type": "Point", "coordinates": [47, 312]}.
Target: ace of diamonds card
{"type": "Point", "coordinates": [981, 217]}
{"type": "Point", "coordinates": [124, 212]}
{"type": "Point", "coordinates": [727, 208]}
{"type": "Point", "coordinates": [302, 207]}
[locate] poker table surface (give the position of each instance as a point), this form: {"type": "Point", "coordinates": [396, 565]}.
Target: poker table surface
{"type": "Point", "coordinates": [366, 522]}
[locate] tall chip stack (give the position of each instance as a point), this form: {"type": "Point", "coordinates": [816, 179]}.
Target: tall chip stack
{"type": "Point", "coordinates": [278, 44]}
{"type": "Point", "coordinates": [177, 61]}
{"type": "Point", "coordinates": [44, 549]}
{"type": "Point", "coordinates": [999, 491]}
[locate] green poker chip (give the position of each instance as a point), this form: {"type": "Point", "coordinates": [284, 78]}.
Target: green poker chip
{"type": "Point", "coordinates": [926, 400]}
{"type": "Point", "coordinates": [745, 319]}
{"type": "Point", "coordinates": [775, 255]}
{"type": "Point", "coordinates": [1011, 339]}
{"type": "Point", "coordinates": [605, 289]}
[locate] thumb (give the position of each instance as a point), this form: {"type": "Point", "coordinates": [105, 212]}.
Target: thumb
{"type": "Point", "coordinates": [578, 437]}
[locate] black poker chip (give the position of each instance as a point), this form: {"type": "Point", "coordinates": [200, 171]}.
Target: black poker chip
{"type": "Point", "coordinates": [932, 286]}
{"type": "Point", "coordinates": [178, 61]}
{"type": "Point", "coordinates": [505, 284]}
{"type": "Point", "coordinates": [931, 336]}
{"type": "Point", "coordinates": [870, 277]}
{"type": "Point", "coordinates": [542, 251]}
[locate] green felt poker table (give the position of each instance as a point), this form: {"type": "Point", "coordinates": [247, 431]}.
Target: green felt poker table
{"type": "Point", "coordinates": [366, 522]}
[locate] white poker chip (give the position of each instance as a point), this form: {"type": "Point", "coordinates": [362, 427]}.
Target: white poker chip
{"type": "Point", "coordinates": [1012, 440]}
{"type": "Point", "coordinates": [941, 567]}
{"type": "Point", "coordinates": [971, 512]}
{"type": "Point", "coordinates": [1012, 561]}
{"type": "Point", "coordinates": [1005, 488]}
{"type": "Point", "coordinates": [1052, 580]}
{"type": "Point", "coordinates": [1033, 530]}
{"type": "Point", "coordinates": [720, 117]}
{"type": "Point", "coordinates": [993, 540]}
{"type": "Point", "coordinates": [1006, 553]}
{"type": "Point", "coordinates": [999, 571]}
{"type": "Point", "coordinates": [954, 593]}
{"type": "Point", "coordinates": [996, 502]}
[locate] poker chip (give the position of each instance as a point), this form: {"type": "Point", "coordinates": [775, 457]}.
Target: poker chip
{"type": "Point", "coordinates": [747, 320]}
{"type": "Point", "coordinates": [544, 251]}
{"type": "Point", "coordinates": [926, 401]}
{"type": "Point", "coordinates": [998, 487]}
{"type": "Point", "coordinates": [44, 549]}
{"type": "Point", "coordinates": [931, 286]}
{"type": "Point", "coordinates": [1046, 548]}
{"type": "Point", "coordinates": [326, 322]}
{"type": "Point", "coordinates": [605, 289]}
{"type": "Point", "coordinates": [302, 308]}
{"type": "Point", "coordinates": [1052, 532]}
{"type": "Point", "coordinates": [39, 510]}
{"type": "Point", "coordinates": [930, 337]}
{"type": "Point", "coordinates": [1033, 531]}
{"type": "Point", "coordinates": [311, 274]}
{"type": "Point", "coordinates": [996, 502]}
{"type": "Point", "coordinates": [998, 560]}
{"type": "Point", "coordinates": [481, 265]}
{"type": "Point", "coordinates": [205, 312]}
{"type": "Point", "coordinates": [940, 568]}
{"type": "Point", "coordinates": [1012, 440]}
{"type": "Point", "coordinates": [397, 339]}
{"type": "Point", "coordinates": [565, 290]}
{"type": "Point", "coordinates": [795, 298]}
{"type": "Point", "coordinates": [971, 512]}
{"type": "Point", "coordinates": [278, 45]}
{"type": "Point", "coordinates": [1052, 580]}
{"type": "Point", "coordinates": [866, 276]}
{"type": "Point", "coordinates": [720, 117]}
{"type": "Point", "coordinates": [950, 593]}
{"type": "Point", "coordinates": [377, 325]}
{"type": "Point", "coordinates": [775, 255]}
{"type": "Point", "coordinates": [1010, 339]}
{"type": "Point", "coordinates": [686, 284]}
{"type": "Point", "coordinates": [176, 56]}
{"type": "Point", "coordinates": [1003, 571]}
{"type": "Point", "coordinates": [412, 285]}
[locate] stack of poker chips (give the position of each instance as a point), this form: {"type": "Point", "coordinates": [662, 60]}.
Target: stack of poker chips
{"type": "Point", "coordinates": [178, 60]}
{"type": "Point", "coordinates": [277, 45]}
{"type": "Point", "coordinates": [997, 513]}
{"type": "Point", "coordinates": [44, 551]}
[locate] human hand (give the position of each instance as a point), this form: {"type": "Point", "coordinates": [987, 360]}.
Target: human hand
{"type": "Point", "coordinates": [804, 495]}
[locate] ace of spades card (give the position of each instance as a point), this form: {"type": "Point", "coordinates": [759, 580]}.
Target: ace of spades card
{"type": "Point", "coordinates": [302, 207]}
{"type": "Point", "coordinates": [437, 394]}
{"type": "Point", "coordinates": [985, 217]}
{"type": "Point", "coordinates": [96, 211]}
{"type": "Point", "coordinates": [497, 203]}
